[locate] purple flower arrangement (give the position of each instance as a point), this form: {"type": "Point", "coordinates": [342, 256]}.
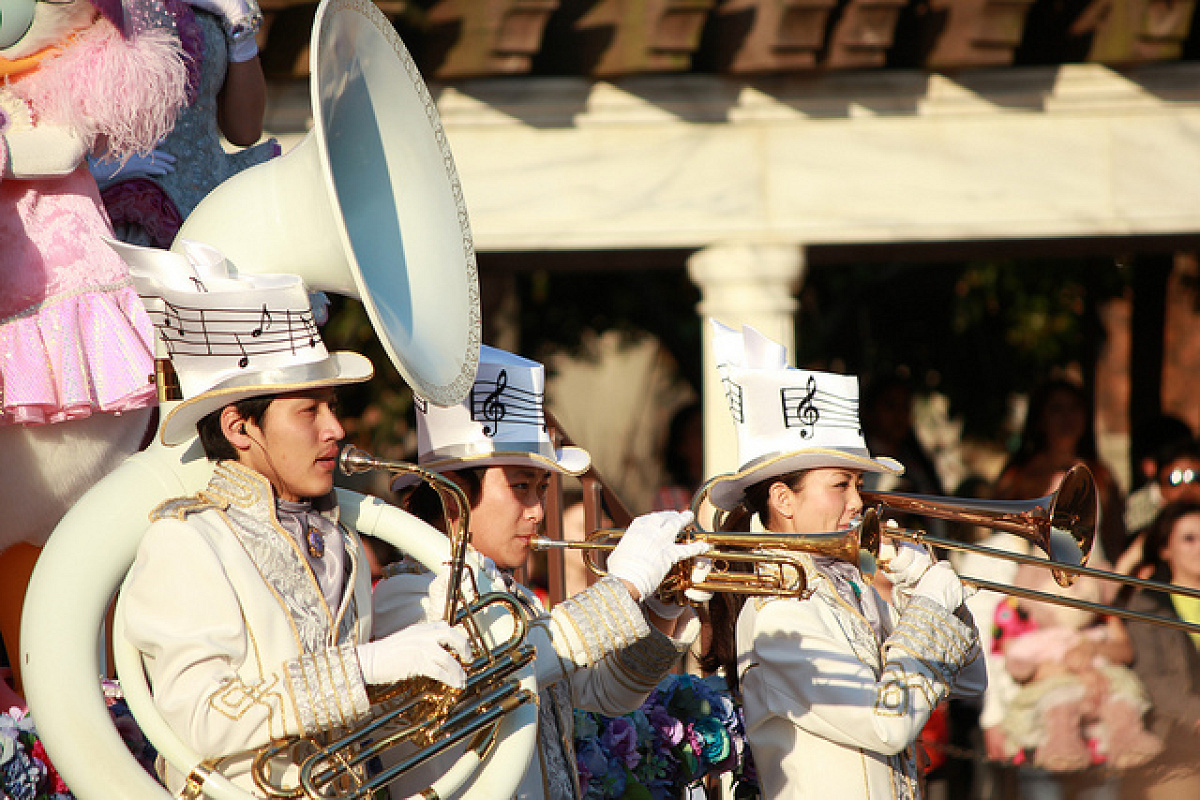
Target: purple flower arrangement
{"type": "Point", "coordinates": [689, 729]}
{"type": "Point", "coordinates": [25, 770]}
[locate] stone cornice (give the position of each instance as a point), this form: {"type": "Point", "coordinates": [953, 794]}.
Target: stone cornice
{"type": "Point", "coordinates": [870, 157]}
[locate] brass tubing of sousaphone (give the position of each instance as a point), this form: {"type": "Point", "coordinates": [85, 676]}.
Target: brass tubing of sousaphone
{"type": "Point", "coordinates": [354, 460]}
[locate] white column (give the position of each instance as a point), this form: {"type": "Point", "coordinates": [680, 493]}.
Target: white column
{"type": "Point", "coordinates": [751, 284]}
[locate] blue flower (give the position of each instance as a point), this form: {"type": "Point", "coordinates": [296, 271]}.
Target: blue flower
{"type": "Point", "coordinates": [620, 740]}
{"type": "Point", "coordinates": [715, 742]}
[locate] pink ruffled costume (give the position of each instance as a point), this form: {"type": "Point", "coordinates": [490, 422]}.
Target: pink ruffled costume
{"type": "Point", "coordinates": [74, 337]}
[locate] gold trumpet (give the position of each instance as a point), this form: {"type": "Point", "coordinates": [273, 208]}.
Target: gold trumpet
{"type": "Point", "coordinates": [772, 573]}
{"type": "Point", "coordinates": [420, 714]}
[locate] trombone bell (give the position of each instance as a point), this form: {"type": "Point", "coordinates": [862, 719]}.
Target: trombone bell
{"type": "Point", "coordinates": [1062, 524]}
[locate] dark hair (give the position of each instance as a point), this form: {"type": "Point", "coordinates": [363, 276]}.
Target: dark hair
{"type": "Point", "coordinates": [1033, 437]}
{"type": "Point", "coordinates": [1173, 451]}
{"type": "Point", "coordinates": [1151, 438]}
{"type": "Point", "coordinates": [1160, 533]}
{"type": "Point", "coordinates": [423, 502]}
{"type": "Point", "coordinates": [724, 607]}
{"type": "Point", "coordinates": [212, 438]}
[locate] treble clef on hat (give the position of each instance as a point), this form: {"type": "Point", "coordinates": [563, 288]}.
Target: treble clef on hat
{"type": "Point", "coordinates": [491, 408]}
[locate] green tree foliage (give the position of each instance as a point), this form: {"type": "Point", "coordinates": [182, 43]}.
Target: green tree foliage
{"type": "Point", "coordinates": [977, 332]}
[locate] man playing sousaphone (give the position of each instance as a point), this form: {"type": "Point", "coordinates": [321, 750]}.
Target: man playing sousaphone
{"type": "Point", "coordinates": [603, 649]}
{"type": "Point", "coordinates": [249, 603]}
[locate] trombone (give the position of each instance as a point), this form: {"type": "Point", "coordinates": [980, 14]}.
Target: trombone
{"type": "Point", "coordinates": [1061, 524]}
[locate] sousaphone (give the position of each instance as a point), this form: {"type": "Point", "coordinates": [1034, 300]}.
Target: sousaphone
{"type": "Point", "coordinates": [369, 205]}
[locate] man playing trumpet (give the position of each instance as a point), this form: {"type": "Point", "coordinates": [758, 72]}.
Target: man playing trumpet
{"type": "Point", "coordinates": [249, 603]}
{"type": "Point", "coordinates": [603, 649]}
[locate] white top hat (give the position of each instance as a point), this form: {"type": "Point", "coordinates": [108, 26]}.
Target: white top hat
{"type": "Point", "coordinates": [787, 419]}
{"type": "Point", "coordinates": [500, 423]}
{"type": "Point", "coordinates": [231, 336]}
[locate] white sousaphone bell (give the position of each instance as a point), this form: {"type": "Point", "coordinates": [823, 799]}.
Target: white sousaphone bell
{"type": "Point", "coordinates": [367, 205]}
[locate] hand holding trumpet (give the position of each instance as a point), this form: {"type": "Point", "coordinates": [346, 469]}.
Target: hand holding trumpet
{"type": "Point", "coordinates": [648, 551]}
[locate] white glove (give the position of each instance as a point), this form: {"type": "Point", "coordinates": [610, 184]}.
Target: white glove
{"type": "Point", "coordinates": [428, 649]}
{"type": "Point", "coordinates": [647, 551]}
{"type": "Point", "coordinates": [108, 170]}
{"type": "Point", "coordinates": [241, 20]}
{"type": "Point", "coordinates": [904, 562]}
{"type": "Point", "coordinates": [941, 585]}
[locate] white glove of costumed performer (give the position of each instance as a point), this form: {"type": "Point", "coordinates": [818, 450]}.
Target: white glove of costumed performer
{"type": "Point", "coordinates": [241, 20]}
{"type": "Point", "coordinates": [427, 649]}
{"type": "Point", "coordinates": [647, 551]}
{"type": "Point", "coordinates": [941, 585]}
{"type": "Point", "coordinates": [904, 562]}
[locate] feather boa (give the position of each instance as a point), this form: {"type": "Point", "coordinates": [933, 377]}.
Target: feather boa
{"type": "Point", "coordinates": [128, 91]}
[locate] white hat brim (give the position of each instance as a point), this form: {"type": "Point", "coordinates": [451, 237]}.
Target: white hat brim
{"type": "Point", "coordinates": [727, 491]}
{"type": "Point", "coordinates": [567, 461]}
{"type": "Point", "coordinates": [180, 424]}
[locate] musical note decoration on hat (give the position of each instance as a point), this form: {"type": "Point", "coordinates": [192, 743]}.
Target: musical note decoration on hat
{"type": "Point", "coordinates": [501, 422]}
{"type": "Point", "coordinates": [230, 335]}
{"type": "Point", "coordinates": [786, 419]}
{"type": "Point", "coordinates": [494, 401]}
{"type": "Point", "coordinates": [805, 408]}
{"type": "Point", "coordinates": [191, 330]}
{"type": "Point", "coordinates": [733, 396]}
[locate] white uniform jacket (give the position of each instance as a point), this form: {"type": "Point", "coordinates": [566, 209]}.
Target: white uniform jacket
{"type": "Point", "coordinates": [831, 713]}
{"type": "Point", "coordinates": [238, 642]}
{"type": "Point", "coordinates": [595, 652]}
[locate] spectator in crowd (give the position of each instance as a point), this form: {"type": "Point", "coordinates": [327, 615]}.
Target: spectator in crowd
{"type": "Point", "coordinates": [1176, 478]}
{"type": "Point", "coordinates": [1147, 444]}
{"type": "Point", "coordinates": [1058, 434]}
{"type": "Point", "coordinates": [1167, 660]}
{"type": "Point", "coordinates": [887, 422]}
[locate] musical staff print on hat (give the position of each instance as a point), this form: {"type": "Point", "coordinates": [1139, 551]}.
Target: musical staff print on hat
{"type": "Point", "coordinates": [804, 408]}
{"type": "Point", "coordinates": [733, 396]}
{"type": "Point", "coordinates": [232, 332]}
{"type": "Point", "coordinates": [495, 401]}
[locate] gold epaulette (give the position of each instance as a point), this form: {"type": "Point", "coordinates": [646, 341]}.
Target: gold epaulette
{"type": "Point", "coordinates": [180, 507]}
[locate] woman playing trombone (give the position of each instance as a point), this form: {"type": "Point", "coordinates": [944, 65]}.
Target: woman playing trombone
{"type": "Point", "coordinates": [836, 687]}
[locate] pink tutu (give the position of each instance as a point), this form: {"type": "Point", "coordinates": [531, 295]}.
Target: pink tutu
{"type": "Point", "coordinates": [75, 337]}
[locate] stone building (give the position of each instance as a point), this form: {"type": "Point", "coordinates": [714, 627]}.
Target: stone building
{"type": "Point", "coordinates": [746, 140]}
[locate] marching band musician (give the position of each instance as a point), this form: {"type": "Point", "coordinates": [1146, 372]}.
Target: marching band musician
{"type": "Point", "coordinates": [604, 649]}
{"type": "Point", "coordinates": [836, 687]}
{"type": "Point", "coordinates": [248, 601]}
